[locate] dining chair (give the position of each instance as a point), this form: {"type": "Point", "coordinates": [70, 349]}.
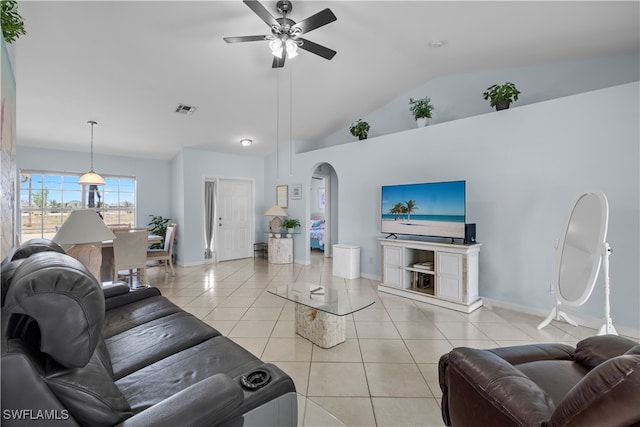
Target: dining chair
{"type": "Point", "coordinates": [130, 254]}
{"type": "Point", "coordinates": [163, 256]}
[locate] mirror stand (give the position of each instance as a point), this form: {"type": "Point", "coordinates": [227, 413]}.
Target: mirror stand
{"type": "Point", "coordinates": [583, 249]}
{"type": "Point", "coordinates": [557, 314]}
{"type": "Point", "coordinates": [607, 328]}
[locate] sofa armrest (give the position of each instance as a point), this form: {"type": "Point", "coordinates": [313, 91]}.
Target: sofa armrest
{"type": "Point", "coordinates": [608, 392]}
{"type": "Point", "coordinates": [592, 351]}
{"type": "Point", "coordinates": [131, 296]}
{"type": "Point", "coordinates": [199, 405]}
{"type": "Point", "coordinates": [480, 388]}
{"type": "Point", "coordinates": [519, 354]}
{"type": "Point", "coordinates": [112, 289]}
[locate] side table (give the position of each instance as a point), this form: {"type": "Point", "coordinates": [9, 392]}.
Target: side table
{"type": "Point", "coordinates": [280, 250]}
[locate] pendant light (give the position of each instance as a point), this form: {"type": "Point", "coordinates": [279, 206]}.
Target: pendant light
{"type": "Point", "coordinates": [91, 178]}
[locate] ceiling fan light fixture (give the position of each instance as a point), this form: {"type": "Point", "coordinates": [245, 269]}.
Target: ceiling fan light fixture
{"type": "Point", "coordinates": [276, 48]}
{"type": "Point", "coordinates": [292, 48]}
{"type": "Point", "coordinates": [284, 39]}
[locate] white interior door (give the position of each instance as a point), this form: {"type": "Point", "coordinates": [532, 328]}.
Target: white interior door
{"type": "Point", "coordinates": [234, 219]}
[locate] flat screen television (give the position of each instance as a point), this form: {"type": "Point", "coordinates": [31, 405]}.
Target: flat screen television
{"type": "Point", "coordinates": [435, 209]}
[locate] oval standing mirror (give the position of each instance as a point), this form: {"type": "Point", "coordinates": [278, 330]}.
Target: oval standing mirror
{"type": "Point", "coordinates": [580, 254]}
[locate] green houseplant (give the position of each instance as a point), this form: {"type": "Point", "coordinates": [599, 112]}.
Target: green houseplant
{"type": "Point", "coordinates": [501, 96]}
{"type": "Point", "coordinates": [158, 226]}
{"type": "Point", "coordinates": [359, 129]}
{"type": "Point", "coordinates": [421, 109]}
{"type": "Point", "coordinates": [290, 224]}
{"type": "Point", "coordinates": [11, 21]}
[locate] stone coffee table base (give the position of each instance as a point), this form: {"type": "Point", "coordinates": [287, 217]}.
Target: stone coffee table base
{"type": "Point", "coordinates": [323, 329]}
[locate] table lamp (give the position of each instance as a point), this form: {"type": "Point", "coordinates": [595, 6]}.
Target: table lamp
{"type": "Point", "coordinates": [83, 229]}
{"type": "Point", "coordinates": [276, 212]}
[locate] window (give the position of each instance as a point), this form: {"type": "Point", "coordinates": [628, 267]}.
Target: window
{"type": "Point", "coordinates": [47, 198]}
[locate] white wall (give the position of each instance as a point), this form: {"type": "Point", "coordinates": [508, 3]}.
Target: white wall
{"type": "Point", "coordinates": [523, 167]}
{"type": "Point", "coordinates": [460, 95]}
{"type": "Point", "coordinates": [194, 166]}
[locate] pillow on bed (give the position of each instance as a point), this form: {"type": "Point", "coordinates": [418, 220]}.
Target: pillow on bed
{"type": "Point", "coordinates": [317, 223]}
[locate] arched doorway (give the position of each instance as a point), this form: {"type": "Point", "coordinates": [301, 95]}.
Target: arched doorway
{"type": "Point", "coordinates": [323, 207]}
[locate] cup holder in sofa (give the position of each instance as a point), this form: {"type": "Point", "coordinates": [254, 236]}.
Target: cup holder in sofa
{"type": "Point", "coordinates": [255, 380]}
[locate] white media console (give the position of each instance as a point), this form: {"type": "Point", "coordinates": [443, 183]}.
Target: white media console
{"type": "Point", "coordinates": [443, 274]}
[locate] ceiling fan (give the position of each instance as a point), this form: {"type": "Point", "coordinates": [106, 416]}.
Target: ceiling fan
{"type": "Point", "coordinates": [285, 37]}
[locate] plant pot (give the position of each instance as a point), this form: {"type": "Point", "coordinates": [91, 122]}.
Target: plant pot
{"type": "Point", "coordinates": [289, 230]}
{"type": "Point", "coordinates": [502, 105]}
{"type": "Point", "coordinates": [422, 121]}
{"type": "Point", "coordinates": [361, 137]}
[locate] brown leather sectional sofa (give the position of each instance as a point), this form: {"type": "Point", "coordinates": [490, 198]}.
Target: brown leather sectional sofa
{"type": "Point", "coordinates": [597, 383]}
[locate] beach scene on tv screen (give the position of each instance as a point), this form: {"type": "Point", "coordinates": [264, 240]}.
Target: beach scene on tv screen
{"type": "Point", "coordinates": [429, 209]}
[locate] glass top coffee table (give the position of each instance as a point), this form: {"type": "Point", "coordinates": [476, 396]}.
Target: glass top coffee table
{"type": "Point", "coordinates": [320, 311]}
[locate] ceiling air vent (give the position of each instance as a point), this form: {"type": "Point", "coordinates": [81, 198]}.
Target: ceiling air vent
{"type": "Point", "coordinates": [185, 109]}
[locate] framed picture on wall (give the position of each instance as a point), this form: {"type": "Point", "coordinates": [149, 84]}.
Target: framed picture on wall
{"type": "Point", "coordinates": [321, 198]}
{"type": "Point", "coordinates": [282, 196]}
{"type": "Point", "coordinates": [296, 192]}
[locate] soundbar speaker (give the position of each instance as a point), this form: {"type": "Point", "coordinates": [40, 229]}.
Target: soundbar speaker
{"type": "Point", "coordinates": [469, 234]}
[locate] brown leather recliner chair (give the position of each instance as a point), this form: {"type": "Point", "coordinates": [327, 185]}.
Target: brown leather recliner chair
{"type": "Point", "coordinates": [597, 383]}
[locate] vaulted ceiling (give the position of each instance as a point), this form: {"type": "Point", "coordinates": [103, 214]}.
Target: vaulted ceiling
{"type": "Point", "coordinates": [128, 64]}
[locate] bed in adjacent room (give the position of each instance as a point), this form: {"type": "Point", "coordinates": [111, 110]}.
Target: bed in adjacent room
{"type": "Point", "coordinates": [316, 231]}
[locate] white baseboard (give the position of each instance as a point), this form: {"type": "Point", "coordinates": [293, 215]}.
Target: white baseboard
{"type": "Point", "coordinates": [581, 319]}
{"type": "Point", "coordinates": [371, 277]}
{"type": "Point", "coordinates": [190, 264]}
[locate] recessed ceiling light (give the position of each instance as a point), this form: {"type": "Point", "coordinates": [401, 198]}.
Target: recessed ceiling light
{"type": "Point", "coordinates": [437, 43]}
{"type": "Point", "coordinates": [246, 142]}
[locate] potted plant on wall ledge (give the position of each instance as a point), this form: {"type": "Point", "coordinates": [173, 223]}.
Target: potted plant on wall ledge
{"type": "Point", "coordinates": [12, 23]}
{"type": "Point", "coordinates": [501, 96]}
{"type": "Point", "coordinates": [421, 109]}
{"type": "Point", "coordinates": [359, 129]}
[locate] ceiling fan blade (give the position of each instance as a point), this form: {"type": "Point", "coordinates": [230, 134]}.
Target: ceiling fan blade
{"type": "Point", "coordinates": [319, 50]}
{"type": "Point", "coordinates": [321, 18]}
{"type": "Point", "coordinates": [244, 39]}
{"type": "Point", "coordinates": [278, 62]}
{"type": "Point", "coordinates": [263, 13]}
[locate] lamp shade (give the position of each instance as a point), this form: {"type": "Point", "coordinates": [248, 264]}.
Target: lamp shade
{"type": "Point", "coordinates": [91, 178]}
{"type": "Point", "coordinates": [275, 210]}
{"type": "Point", "coordinates": [83, 226]}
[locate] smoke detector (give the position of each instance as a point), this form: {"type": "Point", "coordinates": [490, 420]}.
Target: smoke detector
{"type": "Point", "coordinates": [185, 109]}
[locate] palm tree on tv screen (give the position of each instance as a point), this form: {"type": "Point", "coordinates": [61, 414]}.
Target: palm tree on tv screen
{"type": "Point", "coordinates": [396, 210]}
{"type": "Point", "coordinates": [410, 207]}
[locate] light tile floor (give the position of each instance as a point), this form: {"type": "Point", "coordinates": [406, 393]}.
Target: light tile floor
{"type": "Point", "coordinates": [385, 374]}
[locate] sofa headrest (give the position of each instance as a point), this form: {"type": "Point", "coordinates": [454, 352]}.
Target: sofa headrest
{"type": "Point", "coordinates": [65, 300]}
{"type": "Point", "coordinates": [31, 247]}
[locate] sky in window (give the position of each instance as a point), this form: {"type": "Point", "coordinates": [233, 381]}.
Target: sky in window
{"type": "Point", "coordinates": [66, 188]}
